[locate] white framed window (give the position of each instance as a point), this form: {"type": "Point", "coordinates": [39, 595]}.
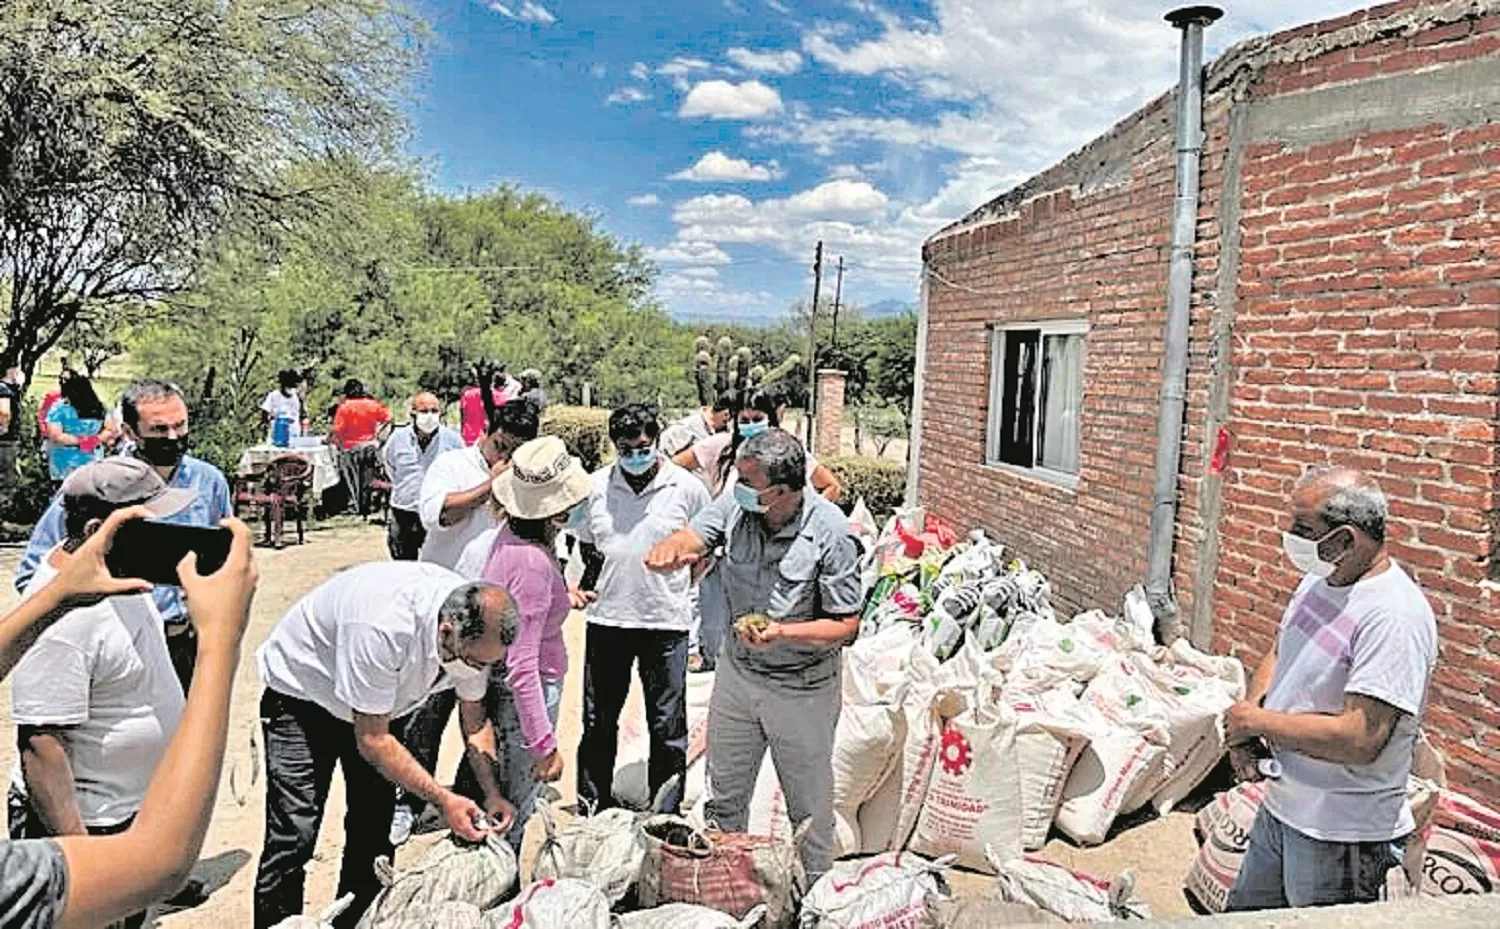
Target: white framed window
{"type": "Point", "coordinates": [1036, 397]}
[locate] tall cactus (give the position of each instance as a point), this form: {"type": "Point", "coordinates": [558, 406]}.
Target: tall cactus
{"type": "Point", "coordinates": [724, 366]}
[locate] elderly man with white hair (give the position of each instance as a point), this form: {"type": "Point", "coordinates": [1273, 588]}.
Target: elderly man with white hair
{"type": "Point", "coordinates": [1338, 703]}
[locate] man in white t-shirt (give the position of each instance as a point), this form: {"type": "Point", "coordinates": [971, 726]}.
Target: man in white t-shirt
{"type": "Point", "coordinates": [96, 700]}
{"type": "Point", "coordinates": [640, 617]}
{"type": "Point", "coordinates": [285, 402]}
{"type": "Point", "coordinates": [1339, 702]}
{"type": "Point", "coordinates": [454, 503]}
{"type": "Point", "coordinates": [344, 670]}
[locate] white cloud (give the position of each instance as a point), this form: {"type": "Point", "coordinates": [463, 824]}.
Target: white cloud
{"type": "Point", "coordinates": [726, 100]}
{"type": "Point", "coordinates": [679, 67]}
{"type": "Point", "coordinates": [717, 166]}
{"type": "Point", "coordinates": [768, 62]}
{"type": "Point", "coordinates": [699, 293]}
{"type": "Point", "coordinates": [689, 253]}
{"type": "Point", "coordinates": [528, 12]}
{"type": "Point", "coordinates": [841, 199]}
{"type": "Point", "coordinates": [640, 71]}
{"type": "Point", "coordinates": [628, 95]}
{"type": "Point", "coordinates": [644, 200]}
{"type": "Point", "coordinates": [779, 7]}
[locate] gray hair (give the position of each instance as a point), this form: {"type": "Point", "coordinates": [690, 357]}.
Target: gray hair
{"type": "Point", "coordinates": [1353, 499]}
{"type": "Point", "coordinates": [781, 455]}
{"type": "Point", "coordinates": [469, 605]}
{"type": "Point", "coordinates": [144, 390]}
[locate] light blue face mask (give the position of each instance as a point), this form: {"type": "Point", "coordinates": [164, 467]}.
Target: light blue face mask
{"type": "Point", "coordinates": [748, 498]}
{"type": "Point", "coordinates": [638, 461]}
{"type": "Point", "coordinates": [754, 428]}
{"type": "Point", "coordinates": [577, 516]}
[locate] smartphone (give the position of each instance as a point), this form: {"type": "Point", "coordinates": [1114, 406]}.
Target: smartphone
{"type": "Point", "coordinates": [151, 550]}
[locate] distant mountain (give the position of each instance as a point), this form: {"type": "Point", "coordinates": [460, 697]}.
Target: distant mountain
{"type": "Point", "coordinates": [886, 308]}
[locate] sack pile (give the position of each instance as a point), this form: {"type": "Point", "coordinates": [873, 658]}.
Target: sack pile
{"type": "Point", "coordinates": [1010, 721]}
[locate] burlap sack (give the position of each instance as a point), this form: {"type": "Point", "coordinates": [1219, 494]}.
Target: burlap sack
{"type": "Point", "coordinates": [728, 872]}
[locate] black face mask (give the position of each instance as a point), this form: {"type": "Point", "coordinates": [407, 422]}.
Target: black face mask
{"type": "Point", "coordinates": [164, 453]}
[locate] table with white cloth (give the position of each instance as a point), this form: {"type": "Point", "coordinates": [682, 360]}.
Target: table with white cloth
{"type": "Point", "coordinates": [325, 469]}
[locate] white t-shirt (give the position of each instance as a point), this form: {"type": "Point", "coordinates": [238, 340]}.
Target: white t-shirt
{"type": "Point", "coordinates": [102, 674]}
{"type": "Point", "coordinates": [1377, 638]}
{"type": "Point", "coordinates": [365, 641]}
{"type": "Point", "coordinates": [452, 472]}
{"type": "Point", "coordinates": [624, 526]}
{"type": "Point", "coordinates": [684, 433]}
{"type": "Point", "coordinates": [471, 563]}
{"type": "Point", "coordinates": [278, 404]}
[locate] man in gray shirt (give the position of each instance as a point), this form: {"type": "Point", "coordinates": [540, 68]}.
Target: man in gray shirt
{"type": "Point", "coordinates": [790, 560]}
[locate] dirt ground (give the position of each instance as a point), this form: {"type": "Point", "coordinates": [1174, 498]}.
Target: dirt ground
{"type": "Point", "coordinates": [1158, 851]}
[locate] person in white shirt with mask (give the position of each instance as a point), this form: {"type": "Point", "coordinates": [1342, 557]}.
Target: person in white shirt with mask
{"type": "Point", "coordinates": [1338, 703]}
{"type": "Point", "coordinates": [454, 502]}
{"type": "Point", "coordinates": [408, 454]}
{"type": "Point", "coordinates": [344, 670]}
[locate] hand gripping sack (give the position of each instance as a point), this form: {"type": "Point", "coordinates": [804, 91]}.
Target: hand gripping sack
{"type": "Point", "coordinates": [687, 916]}
{"type": "Point", "coordinates": [558, 903]}
{"type": "Point", "coordinates": [974, 796]}
{"type": "Point", "coordinates": [896, 890]}
{"type": "Point", "coordinates": [481, 874]}
{"type": "Point", "coordinates": [605, 849]}
{"type": "Point", "coordinates": [732, 873]}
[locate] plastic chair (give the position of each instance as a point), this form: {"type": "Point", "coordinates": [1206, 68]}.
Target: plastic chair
{"type": "Point", "coordinates": [285, 490]}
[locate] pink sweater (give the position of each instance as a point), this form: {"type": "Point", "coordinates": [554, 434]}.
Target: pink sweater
{"type": "Point", "coordinates": [530, 573]}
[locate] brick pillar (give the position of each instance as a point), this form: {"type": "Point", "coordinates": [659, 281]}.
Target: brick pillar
{"type": "Point", "coordinates": [829, 436]}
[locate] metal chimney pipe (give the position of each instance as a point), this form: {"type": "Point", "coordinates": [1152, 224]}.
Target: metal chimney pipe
{"type": "Point", "coordinates": [1191, 20]}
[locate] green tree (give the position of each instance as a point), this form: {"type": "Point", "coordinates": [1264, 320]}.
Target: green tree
{"type": "Point", "coordinates": [132, 131]}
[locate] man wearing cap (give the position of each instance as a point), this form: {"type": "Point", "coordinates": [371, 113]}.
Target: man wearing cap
{"type": "Point", "coordinates": [344, 669]}
{"type": "Point", "coordinates": [791, 571]}
{"type": "Point", "coordinates": [156, 423]}
{"type": "Point", "coordinates": [96, 700]}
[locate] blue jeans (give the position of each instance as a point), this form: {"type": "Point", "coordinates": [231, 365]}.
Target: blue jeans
{"type": "Point", "coordinates": [1284, 868]}
{"type": "Point", "coordinates": [513, 770]}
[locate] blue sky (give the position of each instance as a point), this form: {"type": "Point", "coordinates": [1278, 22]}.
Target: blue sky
{"type": "Point", "coordinates": [727, 136]}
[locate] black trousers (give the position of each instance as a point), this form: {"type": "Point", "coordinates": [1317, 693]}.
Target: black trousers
{"type": "Point", "coordinates": [609, 655]}
{"type": "Point", "coordinates": [182, 648]}
{"type": "Point", "coordinates": [303, 741]}
{"type": "Point", "coordinates": [404, 535]}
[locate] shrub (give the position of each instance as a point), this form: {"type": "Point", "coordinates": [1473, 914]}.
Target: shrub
{"type": "Point", "coordinates": [585, 430]}
{"type": "Point", "coordinates": [882, 483]}
{"type": "Point", "coordinates": [33, 484]}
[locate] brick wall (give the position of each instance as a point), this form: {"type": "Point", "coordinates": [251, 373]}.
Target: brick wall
{"type": "Point", "coordinates": [830, 434]}
{"type": "Point", "coordinates": [1368, 334]}
{"type": "Point", "coordinates": [1097, 254]}
{"type": "Point", "coordinates": [1346, 309]}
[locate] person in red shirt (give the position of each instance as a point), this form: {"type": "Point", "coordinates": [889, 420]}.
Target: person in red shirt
{"type": "Point", "coordinates": [357, 428]}
{"type": "Point", "coordinates": [473, 419]}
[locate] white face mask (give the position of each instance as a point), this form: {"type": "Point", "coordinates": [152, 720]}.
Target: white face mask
{"type": "Point", "coordinates": [461, 672]}
{"type": "Point", "coordinates": [1304, 554]}
{"type": "Point", "coordinates": [427, 422]}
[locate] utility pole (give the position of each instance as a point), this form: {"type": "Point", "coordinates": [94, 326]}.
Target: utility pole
{"type": "Point", "coordinates": [838, 296]}
{"type": "Point", "coordinates": [812, 343]}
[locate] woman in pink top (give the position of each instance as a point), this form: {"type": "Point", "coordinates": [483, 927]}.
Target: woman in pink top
{"type": "Point", "coordinates": [541, 494]}
{"type": "Point", "coordinates": [472, 417]}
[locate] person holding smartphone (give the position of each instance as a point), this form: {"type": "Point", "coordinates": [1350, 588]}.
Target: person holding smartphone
{"type": "Point", "coordinates": [75, 881]}
{"type": "Point", "coordinates": [96, 700]}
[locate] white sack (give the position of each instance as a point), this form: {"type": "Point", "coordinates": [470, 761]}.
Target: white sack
{"type": "Point", "coordinates": [606, 850]}
{"type": "Point", "coordinates": [480, 874]}
{"type": "Point", "coordinates": [890, 891]}
{"type": "Point", "coordinates": [1050, 735]}
{"type": "Point", "coordinates": [553, 904]}
{"type": "Point", "coordinates": [687, 916]}
{"type": "Point", "coordinates": [973, 799]}
{"type": "Point", "coordinates": [1196, 690]}
{"type": "Point", "coordinates": [1076, 898]}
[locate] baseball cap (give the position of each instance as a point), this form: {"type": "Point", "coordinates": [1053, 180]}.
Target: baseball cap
{"type": "Point", "coordinates": [127, 481]}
